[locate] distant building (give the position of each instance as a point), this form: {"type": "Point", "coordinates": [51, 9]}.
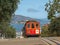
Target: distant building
{"type": "Point", "coordinates": [46, 25]}
{"type": "Point", "coordinates": [19, 35]}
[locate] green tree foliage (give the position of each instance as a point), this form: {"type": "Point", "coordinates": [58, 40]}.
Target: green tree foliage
{"type": "Point", "coordinates": [53, 8]}
{"type": "Point", "coordinates": [3, 26]}
{"type": "Point", "coordinates": [7, 9]}
{"type": "Point", "coordinates": [55, 27]}
{"type": "Point", "coordinates": [10, 32]}
{"type": "Point", "coordinates": [7, 30]}
{"type": "Point", "coordinates": [45, 31]}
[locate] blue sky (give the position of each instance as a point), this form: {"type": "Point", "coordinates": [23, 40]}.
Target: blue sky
{"type": "Point", "coordinates": [32, 8]}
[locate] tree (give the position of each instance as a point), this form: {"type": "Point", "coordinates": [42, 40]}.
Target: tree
{"type": "Point", "coordinates": [53, 8]}
{"type": "Point", "coordinates": [10, 32]}
{"type": "Point", "coordinates": [45, 31]}
{"type": "Point", "coordinates": [7, 9]}
{"type": "Point", "coordinates": [55, 27]}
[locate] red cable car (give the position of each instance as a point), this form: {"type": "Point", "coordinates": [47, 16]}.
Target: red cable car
{"type": "Point", "coordinates": [31, 28]}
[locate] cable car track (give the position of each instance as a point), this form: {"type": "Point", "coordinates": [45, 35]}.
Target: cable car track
{"type": "Point", "coordinates": [51, 41]}
{"type": "Point", "coordinates": [54, 40]}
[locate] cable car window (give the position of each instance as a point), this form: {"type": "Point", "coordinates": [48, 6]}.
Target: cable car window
{"type": "Point", "coordinates": [28, 25]}
{"type": "Point", "coordinates": [37, 25]}
{"type": "Point", "coordinates": [32, 25]}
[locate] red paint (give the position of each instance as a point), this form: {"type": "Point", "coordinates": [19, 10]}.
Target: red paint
{"type": "Point", "coordinates": [30, 30]}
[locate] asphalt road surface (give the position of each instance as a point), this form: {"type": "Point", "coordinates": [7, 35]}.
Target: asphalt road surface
{"type": "Point", "coordinates": [31, 41]}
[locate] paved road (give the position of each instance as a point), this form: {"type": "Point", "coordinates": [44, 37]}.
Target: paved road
{"type": "Point", "coordinates": [30, 41]}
